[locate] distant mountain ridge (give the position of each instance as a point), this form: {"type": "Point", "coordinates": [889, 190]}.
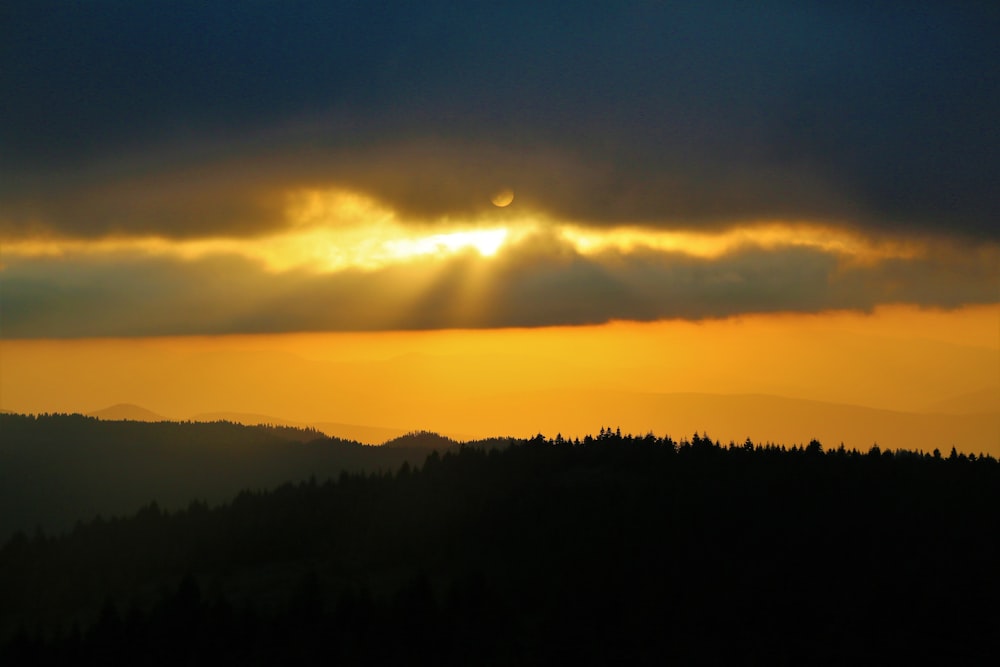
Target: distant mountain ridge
{"type": "Point", "coordinates": [369, 435]}
{"type": "Point", "coordinates": [247, 418]}
{"type": "Point", "coordinates": [970, 422]}
{"type": "Point", "coordinates": [984, 401]}
{"type": "Point", "coordinates": [127, 411]}
{"type": "Point", "coordinates": [362, 433]}
{"type": "Point", "coordinates": [55, 469]}
{"type": "Point", "coordinates": [761, 417]}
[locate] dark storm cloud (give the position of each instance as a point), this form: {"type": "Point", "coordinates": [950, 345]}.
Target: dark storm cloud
{"type": "Point", "coordinates": [537, 282]}
{"type": "Point", "coordinates": [877, 114]}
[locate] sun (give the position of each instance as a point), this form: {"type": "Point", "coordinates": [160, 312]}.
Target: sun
{"type": "Point", "coordinates": [484, 241]}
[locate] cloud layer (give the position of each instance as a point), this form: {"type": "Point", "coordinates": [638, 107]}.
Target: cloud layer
{"type": "Point", "coordinates": [213, 167]}
{"type": "Point", "coordinates": [195, 119]}
{"type": "Point", "coordinates": [538, 280]}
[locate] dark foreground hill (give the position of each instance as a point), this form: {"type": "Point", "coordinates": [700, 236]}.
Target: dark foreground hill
{"type": "Point", "coordinates": [615, 550]}
{"type": "Point", "coordinates": [59, 469]}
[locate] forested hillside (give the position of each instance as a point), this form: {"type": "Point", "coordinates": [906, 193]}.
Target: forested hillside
{"type": "Point", "coordinates": [614, 549]}
{"type": "Point", "coordinates": [59, 469]}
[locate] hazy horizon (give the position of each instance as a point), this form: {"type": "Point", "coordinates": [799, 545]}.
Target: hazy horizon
{"type": "Point", "coordinates": [757, 377]}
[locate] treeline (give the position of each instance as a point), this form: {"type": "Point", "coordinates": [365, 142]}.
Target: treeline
{"type": "Point", "coordinates": [608, 549]}
{"type": "Point", "coordinates": [59, 425]}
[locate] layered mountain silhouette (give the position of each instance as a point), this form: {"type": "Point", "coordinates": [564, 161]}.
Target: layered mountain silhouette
{"type": "Point", "coordinates": [58, 469]}
{"type": "Point", "coordinates": [511, 392]}
{"type": "Point", "coordinates": [970, 422]}
{"type": "Point", "coordinates": [610, 549]}
{"type": "Point", "coordinates": [984, 401]}
{"type": "Point", "coordinates": [127, 411]}
{"type": "Point", "coordinates": [365, 434]}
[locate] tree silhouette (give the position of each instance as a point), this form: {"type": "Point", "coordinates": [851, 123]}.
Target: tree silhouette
{"type": "Point", "coordinates": [619, 548]}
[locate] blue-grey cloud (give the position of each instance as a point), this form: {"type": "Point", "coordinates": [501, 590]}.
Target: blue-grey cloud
{"type": "Point", "coordinates": [880, 115]}
{"type": "Point", "coordinates": [538, 281]}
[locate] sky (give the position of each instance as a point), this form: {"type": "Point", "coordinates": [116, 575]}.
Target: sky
{"type": "Point", "coordinates": [517, 172]}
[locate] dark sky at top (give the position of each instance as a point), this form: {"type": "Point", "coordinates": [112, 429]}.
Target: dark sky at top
{"type": "Point", "coordinates": [881, 115]}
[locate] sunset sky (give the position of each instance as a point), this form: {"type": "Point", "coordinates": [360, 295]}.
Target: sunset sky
{"type": "Point", "coordinates": [489, 218]}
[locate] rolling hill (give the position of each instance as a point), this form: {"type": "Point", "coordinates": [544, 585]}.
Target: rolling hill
{"type": "Point", "coordinates": [127, 411]}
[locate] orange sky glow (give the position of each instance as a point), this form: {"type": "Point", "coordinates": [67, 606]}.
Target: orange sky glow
{"type": "Point", "coordinates": [573, 380]}
{"type": "Point", "coordinates": [701, 233]}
